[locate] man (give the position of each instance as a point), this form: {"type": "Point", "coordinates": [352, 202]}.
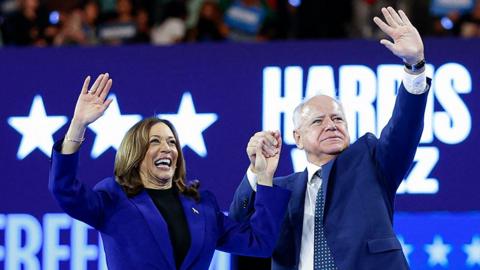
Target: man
{"type": "Point", "coordinates": [341, 211]}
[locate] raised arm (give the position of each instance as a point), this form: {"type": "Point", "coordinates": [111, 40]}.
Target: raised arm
{"type": "Point", "coordinates": [91, 104]}
{"type": "Point", "coordinates": [399, 139]}
{"type": "Point", "coordinates": [74, 197]}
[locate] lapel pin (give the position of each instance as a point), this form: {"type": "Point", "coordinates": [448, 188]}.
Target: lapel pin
{"type": "Point", "coordinates": [195, 210]}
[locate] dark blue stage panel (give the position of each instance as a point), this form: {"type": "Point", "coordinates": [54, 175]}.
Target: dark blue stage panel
{"type": "Point", "coordinates": [217, 96]}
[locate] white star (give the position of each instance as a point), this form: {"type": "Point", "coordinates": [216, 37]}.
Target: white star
{"type": "Point", "coordinates": [473, 251]}
{"type": "Point", "coordinates": [190, 124]}
{"type": "Point", "coordinates": [407, 249]}
{"type": "Point", "coordinates": [438, 252]}
{"type": "Point", "coordinates": [111, 127]}
{"type": "Point", "coordinates": [37, 129]}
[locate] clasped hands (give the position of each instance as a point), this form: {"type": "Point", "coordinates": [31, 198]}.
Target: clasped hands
{"type": "Point", "coordinates": [263, 150]}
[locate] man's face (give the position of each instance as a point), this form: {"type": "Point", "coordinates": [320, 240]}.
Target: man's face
{"type": "Point", "coordinates": [322, 130]}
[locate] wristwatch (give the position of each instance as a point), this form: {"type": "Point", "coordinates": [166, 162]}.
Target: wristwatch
{"type": "Point", "coordinates": [416, 67]}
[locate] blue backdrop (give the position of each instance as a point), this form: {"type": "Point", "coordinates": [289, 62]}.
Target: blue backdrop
{"type": "Point", "coordinates": [218, 95]}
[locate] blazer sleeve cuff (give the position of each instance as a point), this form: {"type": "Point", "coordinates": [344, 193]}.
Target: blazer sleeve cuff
{"type": "Point", "coordinates": [252, 179]}
{"type": "Point", "coordinates": [62, 164]}
{"type": "Point", "coordinates": [276, 194]}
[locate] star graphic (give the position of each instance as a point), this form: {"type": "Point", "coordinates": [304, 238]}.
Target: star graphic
{"type": "Point", "coordinates": [190, 124]}
{"type": "Point", "coordinates": [37, 129]}
{"type": "Point", "coordinates": [473, 251]}
{"type": "Point", "coordinates": [111, 127]}
{"type": "Point", "coordinates": [438, 252]}
{"type": "Point", "coordinates": [407, 249]}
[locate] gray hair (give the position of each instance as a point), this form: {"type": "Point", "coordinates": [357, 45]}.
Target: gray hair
{"type": "Point", "coordinates": [297, 113]}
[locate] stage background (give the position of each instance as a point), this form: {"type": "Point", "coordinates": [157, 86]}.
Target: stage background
{"type": "Point", "coordinates": [218, 95]}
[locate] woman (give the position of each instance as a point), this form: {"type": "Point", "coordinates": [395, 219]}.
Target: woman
{"type": "Point", "coordinates": [147, 216]}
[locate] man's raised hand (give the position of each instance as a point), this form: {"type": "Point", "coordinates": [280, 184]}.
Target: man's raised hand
{"type": "Point", "coordinates": [407, 43]}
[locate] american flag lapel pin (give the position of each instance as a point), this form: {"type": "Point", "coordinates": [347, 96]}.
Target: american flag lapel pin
{"type": "Point", "coordinates": [195, 210]}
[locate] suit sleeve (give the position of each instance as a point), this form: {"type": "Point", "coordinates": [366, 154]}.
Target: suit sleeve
{"type": "Point", "coordinates": [399, 139]}
{"type": "Point", "coordinates": [242, 206]}
{"type": "Point", "coordinates": [257, 235]}
{"type": "Point", "coordinates": [73, 196]}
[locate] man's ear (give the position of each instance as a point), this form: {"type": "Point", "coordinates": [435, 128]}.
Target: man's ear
{"type": "Point", "coordinates": [298, 140]}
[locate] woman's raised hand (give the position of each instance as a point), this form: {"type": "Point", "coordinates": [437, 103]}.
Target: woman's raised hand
{"type": "Point", "coordinates": [92, 103]}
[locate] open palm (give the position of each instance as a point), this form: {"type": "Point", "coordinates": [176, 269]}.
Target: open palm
{"type": "Point", "coordinates": [407, 43]}
{"type": "Point", "coordinates": [91, 103]}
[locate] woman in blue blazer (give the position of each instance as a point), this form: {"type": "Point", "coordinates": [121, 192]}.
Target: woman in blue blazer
{"type": "Point", "coordinates": [147, 216]}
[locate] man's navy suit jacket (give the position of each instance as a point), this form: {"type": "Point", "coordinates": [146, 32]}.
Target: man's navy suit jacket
{"type": "Point", "coordinates": [359, 188]}
{"type": "Point", "coordinates": [135, 236]}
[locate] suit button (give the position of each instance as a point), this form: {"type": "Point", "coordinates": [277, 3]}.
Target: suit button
{"type": "Point", "coordinates": [244, 203]}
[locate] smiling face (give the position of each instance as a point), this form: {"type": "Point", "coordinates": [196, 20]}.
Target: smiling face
{"type": "Point", "coordinates": [158, 166]}
{"type": "Point", "coordinates": [322, 130]}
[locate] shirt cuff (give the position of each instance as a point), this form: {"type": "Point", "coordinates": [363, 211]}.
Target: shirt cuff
{"type": "Point", "coordinates": [415, 84]}
{"type": "Point", "coordinates": [252, 179]}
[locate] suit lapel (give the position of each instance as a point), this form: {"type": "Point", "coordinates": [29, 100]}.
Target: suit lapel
{"type": "Point", "coordinates": [195, 215]}
{"type": "Point", "coordinates": [157, 225]}
{"type": "Point", "coordinates": [296, 207]}
{"type": "Point", "coordinates": [326, 169]}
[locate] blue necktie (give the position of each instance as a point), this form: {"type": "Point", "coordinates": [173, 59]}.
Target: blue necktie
{"type": "Point", "coordinates": [322, 257]}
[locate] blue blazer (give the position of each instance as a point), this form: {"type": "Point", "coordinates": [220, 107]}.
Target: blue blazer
{"type": "Point", "coordinates": [359, 187]}
{"type": "Point", "coordinates": [135, 235]}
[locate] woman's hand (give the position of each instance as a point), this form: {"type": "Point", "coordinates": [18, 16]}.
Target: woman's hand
{"type": "Point", "coordinates": [91, 104]}
{"type": "Point", "coordinates": [263, 150]}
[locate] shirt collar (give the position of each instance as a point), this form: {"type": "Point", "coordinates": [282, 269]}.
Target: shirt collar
{"type": "Point", "coordinates": [311, 170]}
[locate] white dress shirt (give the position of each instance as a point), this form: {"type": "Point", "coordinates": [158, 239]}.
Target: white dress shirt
{"type": "Point", "coordinates": [414, 84]}
{"type": "Point", "coordinates": [308, 228]}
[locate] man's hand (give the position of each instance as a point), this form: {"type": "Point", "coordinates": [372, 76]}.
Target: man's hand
{"type": "Point", "coordinates": [263, 150]}
{"type": "Point", "coordinates": [407, 43]}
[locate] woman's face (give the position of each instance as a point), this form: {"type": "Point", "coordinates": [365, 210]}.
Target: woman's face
{"type": "Point", "coordinates": [160, 161]}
